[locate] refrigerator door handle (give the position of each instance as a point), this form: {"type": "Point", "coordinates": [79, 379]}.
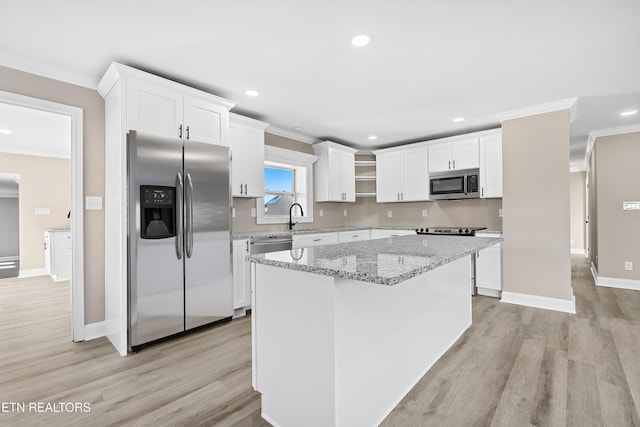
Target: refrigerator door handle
{"type": "Point", "coordinates": [179, 218]}
{"type": "Point", "coordinates": [189, 215]}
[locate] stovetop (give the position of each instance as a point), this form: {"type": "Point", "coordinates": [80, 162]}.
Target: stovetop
{"type": "Point", "coordinates": [450, 231]}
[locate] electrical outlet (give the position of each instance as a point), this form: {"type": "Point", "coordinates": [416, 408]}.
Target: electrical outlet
{"type": "Point", "coordinates": [321, 212]}
{"type": "Point", "coordinates": [389, 214]}
{"type": "Point", "coordinates": [628, 265]}
{"type": "Point", "coordinates": [345, 212]}
{"type": "Point", "coordinates": [424, 213]}
{"type": "Point", "coordinates": [233, 212]}
{"type": "Point", "coordinates": [500, 213]}
{"type": "Point", "coordinates": [253, 212]}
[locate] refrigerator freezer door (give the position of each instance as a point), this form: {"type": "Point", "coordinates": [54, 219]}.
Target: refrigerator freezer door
{"type": "Point", "coordinates": [208, 287]}
{"type": "Point", "coordinates": [156, 284]}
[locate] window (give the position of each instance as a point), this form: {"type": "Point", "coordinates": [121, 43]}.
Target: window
{"type": "Point", "coordinates": [278, 190]}
{"type": "Point", "coordinates": [288, 179]}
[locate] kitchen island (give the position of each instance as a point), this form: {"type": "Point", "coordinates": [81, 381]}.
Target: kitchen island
{"type": "Point", "coordinates": [342, 332]}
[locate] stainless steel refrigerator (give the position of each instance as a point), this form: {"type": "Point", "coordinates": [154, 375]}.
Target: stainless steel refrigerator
{"type": "Point", "coordinates": [179, 248]}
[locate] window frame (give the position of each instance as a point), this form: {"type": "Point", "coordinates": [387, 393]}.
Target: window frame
{"type": "Point", "coordinates": [302, 165]}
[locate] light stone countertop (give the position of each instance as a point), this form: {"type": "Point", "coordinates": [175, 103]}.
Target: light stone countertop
{"type": "Point", "coordinates": [281, 233]}
{"type": "Point", "coordinates": [387, 261]}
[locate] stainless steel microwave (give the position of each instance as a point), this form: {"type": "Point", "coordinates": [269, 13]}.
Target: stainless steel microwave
{"type": "Point", "coordinates": [455, 185]}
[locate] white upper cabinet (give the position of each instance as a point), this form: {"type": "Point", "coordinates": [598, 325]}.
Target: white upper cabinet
{"type": "Point", "coordinates": [246, 137]}
{"type": "Point", "coordinates": [205, 121]}
{"type": "Point", "coordinates": [388, 177]}
{"type": "Point", "coordinates": [402, 175]}
{"type": "Point", "coordinates": [166, 108]}
{"type": "Point", "coordinates": [454, 155]}
{"type": "Point", "coordinates": [491, 166]}
{"type": "Point", "coordinates": [154, 109]}
{"type": "Point", "coordinates": [334, 173]}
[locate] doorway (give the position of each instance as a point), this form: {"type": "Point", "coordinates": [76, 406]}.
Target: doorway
{"type": "Point", "coordinates": [75, 120]}
{"type": "Point", "coordinates": [9, 226]}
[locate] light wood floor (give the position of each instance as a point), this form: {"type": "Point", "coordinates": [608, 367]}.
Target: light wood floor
{"type": "Point", "coordinates": [515, 366]}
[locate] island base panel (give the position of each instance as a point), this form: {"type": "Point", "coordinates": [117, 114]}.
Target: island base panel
{"type": "Point", "coordinates": [340, 352]}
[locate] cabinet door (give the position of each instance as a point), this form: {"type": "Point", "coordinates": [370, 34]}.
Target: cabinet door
{"type": "Point", "coordinates": [241, 274]}
{"type": "Point", "coordinates": [388, 182]}
{"type": "Point", "coordinates": [205, 121]}
{"type": "Point", "coordinates": [489, 268]}
{"type": "Point", "coordinates": [491, 166]}
{"type": "Point", "coordinates": [465, 154]}
{"type": "Point", "coordinates": [354, 236]}
{"type": "Point", "coordinates": [334, 168]}
{"type": "Point", "coordinates": [247, 151]}
{"type": "Point", "coordinates": [439, 157]}
{"type": "Point", "coordinates": [154, 109]}
{"type": "Point", "coordinates": [348, 176]}
{"type": "Point", "coordinates": [415, 176]}
{"type": "Point", "coordinates": [310, 240]}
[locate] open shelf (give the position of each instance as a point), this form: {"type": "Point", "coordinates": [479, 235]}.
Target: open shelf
{"type": "Point", "coordinates": [365, 163]}
{"type": "Point", "coordinates": [365, 194]}
{"type": "Point", "coordinates": [365, 178]}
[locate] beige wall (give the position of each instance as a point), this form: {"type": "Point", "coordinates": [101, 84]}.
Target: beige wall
{"type": "Point", "coordinates": [618, 180]}
{"type": "Point", "coordinates": [536, 251]}
{"type": "Point", "coordinates": [93, 159]}
{"type": "Point", "coordinates": [45, 182]}
{"type": "Point", "coordinates": [366, 212]}
{"type": "Point", "coordinates": [578, 210]}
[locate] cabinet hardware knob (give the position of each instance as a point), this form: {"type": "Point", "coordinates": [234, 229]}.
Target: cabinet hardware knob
{"type": "Point", "coordinates": [449, 164]}
{"type": "Point", "coordinates": [180, 132]}
{"type": "Point", "coordinates": [187, 132]}
{"type": "Point", "coordinates": [454, 162]}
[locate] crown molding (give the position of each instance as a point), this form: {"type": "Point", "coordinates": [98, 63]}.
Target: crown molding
{"type": "Point", "coordinates": [48, 71]}
{"type": "Point", "coordinates": [564, 104]}
{"type": "Point", "coordinates": [593, 135]}
{"type": "Point", "coordinates": [275, 130]}
{"type": "Point", "coordinates": [247, 121]}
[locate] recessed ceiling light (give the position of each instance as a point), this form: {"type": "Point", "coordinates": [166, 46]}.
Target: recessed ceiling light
{"type": "Point", "coordinates": [5, 131]}
{"type": "Point", "coordinates": [297, 128]}
{"type": "Point", "coordinates": [628, 113]}
{"type": "Point", "coordinates": [372, 137]}
{"type": "Point", "coordinates": [251, 92]}
{"type": "Point", "coordinates": [361, 40]}
{"type": "Point", "coordinates": [458, 119]}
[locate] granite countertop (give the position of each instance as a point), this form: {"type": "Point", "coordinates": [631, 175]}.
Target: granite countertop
{"type": "Point", "coordinates": [383, 261]}
{"type": "Point", "coordinates": [280, 233]}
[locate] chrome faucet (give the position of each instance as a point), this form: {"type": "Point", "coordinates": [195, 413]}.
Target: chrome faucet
{"type": "Point", "coordinates": [291, 223]}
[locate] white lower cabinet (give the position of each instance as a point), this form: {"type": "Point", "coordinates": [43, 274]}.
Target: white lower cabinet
{"type": "Point", "coordinates": [381, 234]}
{"type": "Point", "coordinates": [489, 271]}
{"type": "Point", "coordinates": [354, 236]}
{"type": "Point", "coordinates": [316, 239]}
{"type": "Point", "coordinates": [57, 254]}
{"type": "Point", "coordinates": [241, 274]}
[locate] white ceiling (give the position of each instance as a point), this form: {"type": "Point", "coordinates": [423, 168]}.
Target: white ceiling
{"type": "Point", "coordinates": [34, 132]}
{"type": "Point", "coordinates": [428, 62]}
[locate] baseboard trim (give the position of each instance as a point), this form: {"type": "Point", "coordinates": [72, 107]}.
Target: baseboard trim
{"type": "Point", "coordinates": [547, 303]}
{"type": "Point", "coordinates": [94, 330]}
{"type": "Point", "coordinates": [614, 282]}
{"type": "Point", "coordinates": [32, 272]}
{"type": "Point", "coordinates": [578, 251]}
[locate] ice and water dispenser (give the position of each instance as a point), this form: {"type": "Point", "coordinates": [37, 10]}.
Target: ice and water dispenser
{"type": "Point", "coordinates": [157, 212]}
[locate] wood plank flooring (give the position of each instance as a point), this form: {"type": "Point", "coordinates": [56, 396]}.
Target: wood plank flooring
{"type": "Point", "coordinates": [515, 366]}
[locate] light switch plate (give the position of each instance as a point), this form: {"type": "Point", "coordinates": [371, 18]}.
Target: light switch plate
{"type": "Point", "coordinates": [321, 212]}
{"type": "Point", "coordinates": [424, 213]}
{"type": "Point", "coordinates": [500, 213]}
{"type": "Point", "coordinates": [42, 211]}
{"type": "Point", "coordinates": [253, 212]}
{"type": "Point", "coordinates": [93, 203]}
{"type": "Point", "coordinates": [628, 265]}
{"type": "Point", "coordinates": [389, 214]}
{"type": "Point", "coordinates": [345, 212]}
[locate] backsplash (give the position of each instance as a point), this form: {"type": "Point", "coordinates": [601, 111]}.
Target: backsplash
{"type": "Point", "coordinates": [366, 212]}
